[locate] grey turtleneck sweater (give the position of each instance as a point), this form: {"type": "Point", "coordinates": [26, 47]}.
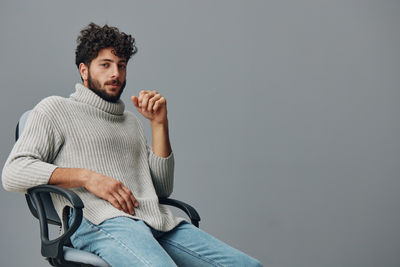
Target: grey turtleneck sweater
{"type": "Point", "coordinates": [85, 131]}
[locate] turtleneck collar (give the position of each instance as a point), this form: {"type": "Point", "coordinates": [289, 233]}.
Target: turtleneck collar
{"type": "Point", "coordinates": [85, 95]}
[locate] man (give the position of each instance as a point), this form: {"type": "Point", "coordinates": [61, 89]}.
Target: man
{"type": "Point", "coordinates": [90, 144]}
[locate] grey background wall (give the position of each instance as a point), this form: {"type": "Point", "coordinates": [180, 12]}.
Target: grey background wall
{"type": "Point", "coordinates": [284, 117]}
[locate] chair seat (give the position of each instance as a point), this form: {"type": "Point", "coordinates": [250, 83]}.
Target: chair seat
{"type": "Point", "coordinates": [81, 256]}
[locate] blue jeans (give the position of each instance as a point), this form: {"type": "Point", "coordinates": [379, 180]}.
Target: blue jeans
{"type": "Point", "coordinates": [123, 241]}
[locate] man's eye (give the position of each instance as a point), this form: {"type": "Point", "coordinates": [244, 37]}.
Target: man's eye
{"type": "Point", "coordinates": [105, 64]}
{"type": "Point", "coordinates": [122, 66]}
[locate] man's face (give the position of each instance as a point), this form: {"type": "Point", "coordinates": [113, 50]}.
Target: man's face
{"type": "Point", "coordinates": [106, 75]}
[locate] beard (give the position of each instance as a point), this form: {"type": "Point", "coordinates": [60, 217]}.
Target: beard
{"type": "Point", "coordinates": [96, 87]}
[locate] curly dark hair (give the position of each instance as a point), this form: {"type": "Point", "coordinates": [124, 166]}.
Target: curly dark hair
{"type": "Point", "coordinates": [93, 38]}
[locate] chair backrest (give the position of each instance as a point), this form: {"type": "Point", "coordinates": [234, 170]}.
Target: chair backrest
{"type": "Point", "coordinates": [21, 124]}
{"type": "Point", "coordinates": [51, 214]}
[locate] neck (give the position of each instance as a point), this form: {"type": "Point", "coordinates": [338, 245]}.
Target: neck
{"type": "Point", "coordinates": [85, 95]}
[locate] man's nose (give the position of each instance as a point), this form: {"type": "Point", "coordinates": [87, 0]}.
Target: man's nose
{"type": "Point", "coordinates": [115, 72]}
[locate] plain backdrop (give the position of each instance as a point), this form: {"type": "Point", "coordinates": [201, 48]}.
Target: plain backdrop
{"type": "Point", "coordinates": [283, 115]}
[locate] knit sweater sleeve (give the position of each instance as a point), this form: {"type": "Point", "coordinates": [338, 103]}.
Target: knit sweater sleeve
{"type": "Point", "coordinates": [162, 173]}
{"type": "Point", "coordinates": [29, 163]}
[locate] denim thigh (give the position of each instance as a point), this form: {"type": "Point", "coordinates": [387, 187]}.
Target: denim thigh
{"type": "Point", "coordinates": [190, 246]}
{"type": "Point", "coordinates": [121, 241]}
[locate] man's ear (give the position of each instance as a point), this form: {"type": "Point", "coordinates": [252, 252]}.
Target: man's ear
{"type": "Point", "coordinates": [84, 71]}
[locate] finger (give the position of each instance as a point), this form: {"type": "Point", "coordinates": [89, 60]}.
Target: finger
{"type": "Point", "coordinates": [154, 99]}
{"type": "Point", "coordinates": [135, 101]}
{"type": "Point", "coordinates": [145, 101]}
{"type": "Point", "coordinates": [142, 93]}
{"type": "Point", "coordinates": [121, 201]}
{"type": "Point", "coordinates": [159, 103]}
{"type": "Point", "coordinates": [114, 202]}
{"type": "Point", "coordinates": [127, 200]}
{"type": "Point", "coordinates": [133, 199]}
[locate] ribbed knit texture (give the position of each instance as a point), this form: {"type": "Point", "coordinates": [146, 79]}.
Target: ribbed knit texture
{"type": "Point", "coordinates": [85, 131]}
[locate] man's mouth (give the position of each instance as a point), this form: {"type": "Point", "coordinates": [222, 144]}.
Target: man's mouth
{"type": "Point", "coordinates": [114, 84]}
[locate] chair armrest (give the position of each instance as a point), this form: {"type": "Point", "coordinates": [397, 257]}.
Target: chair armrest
{"type": "Point", "coordinates": [54, 248]}
{"type": "Point", "coordinates": [189, 210]}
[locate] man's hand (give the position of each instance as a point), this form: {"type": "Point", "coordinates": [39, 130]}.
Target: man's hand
{"type": "Point", "coordinates": [111, 190]}
{"type": "Point", "coordinates": [151, 105]}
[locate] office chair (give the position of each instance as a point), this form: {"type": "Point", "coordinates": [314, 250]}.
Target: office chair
{"type": "Point", "coordinates": [59, 251]}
